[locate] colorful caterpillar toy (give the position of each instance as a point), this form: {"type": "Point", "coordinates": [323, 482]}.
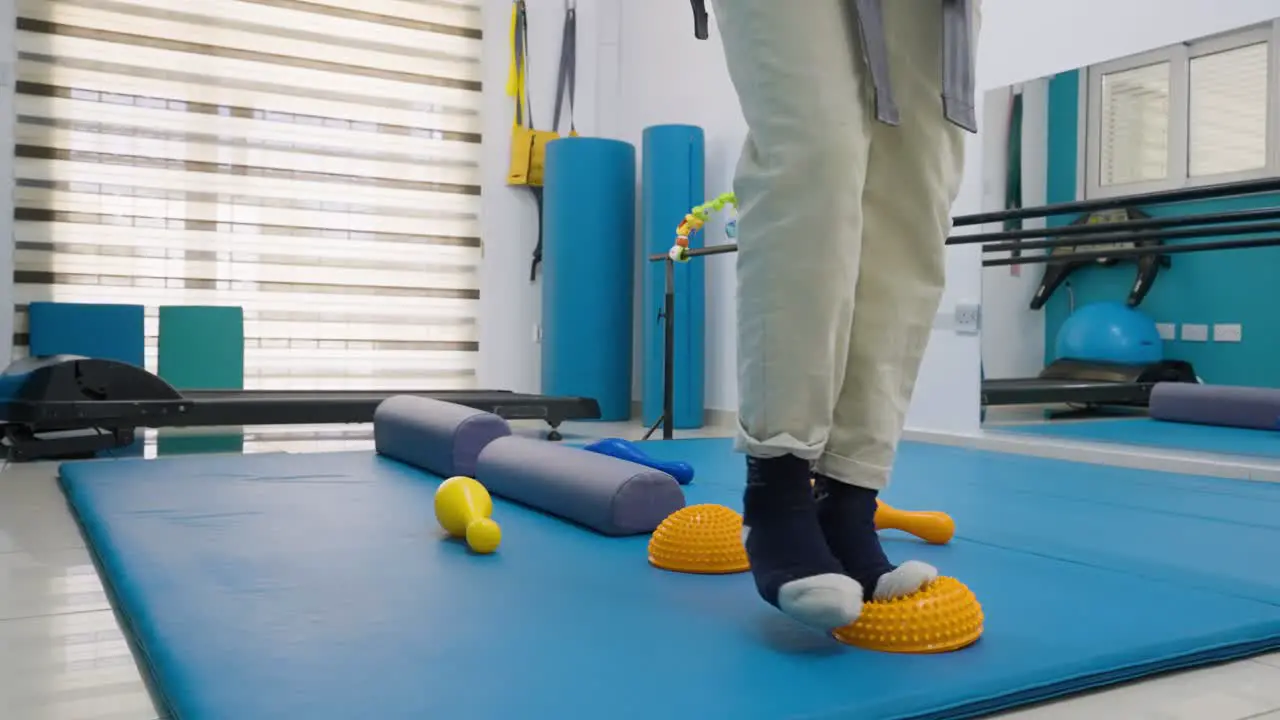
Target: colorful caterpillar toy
{"type": "Point", "coordinates": [698, 217]}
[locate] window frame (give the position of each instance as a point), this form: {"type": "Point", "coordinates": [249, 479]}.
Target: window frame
{"type": "Point", "coordinates": [1179, 57]}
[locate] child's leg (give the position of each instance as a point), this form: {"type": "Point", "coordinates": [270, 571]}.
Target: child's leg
{"type": "Point", "coordinates": [912, 178]}
{"type": "Point", "coordinates": [798, 75]}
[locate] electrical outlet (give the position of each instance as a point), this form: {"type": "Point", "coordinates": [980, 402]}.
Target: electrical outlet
{"type": "Point", "coordinates": [1228, 332]}
{"type": "Point", "coordinates": [968, 318]}
{"type": "Point", "coordinates": [1168, 331]}
{"type": "Point", "coordinates": [1195, 332]}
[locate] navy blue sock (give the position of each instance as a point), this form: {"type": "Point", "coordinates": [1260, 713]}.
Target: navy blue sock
{"type": "Point", "coordinates": [794, 569]}
{"type": "Point", "coordinates": [847, 516]}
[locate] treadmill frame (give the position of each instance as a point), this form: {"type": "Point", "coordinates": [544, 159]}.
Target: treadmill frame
{"type": "Point", "coordinates": [69, 406]}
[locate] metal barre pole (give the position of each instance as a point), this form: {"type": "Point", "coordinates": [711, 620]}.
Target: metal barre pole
{"type": "Point", "coordinates": [668, 419]}
{"type": "Point", "coordinates": [669, 353]}
{"type": "Point", "coordinates": [1207, 219]}
{"type": "Point", "coordinates": [1272, 241]}
{"type": "Point", "coordinates": [1206, 192]}
{"type": "Point", "coordinates": [1107, 238]}
{"type": "Point", "coordinates": [699, 252]}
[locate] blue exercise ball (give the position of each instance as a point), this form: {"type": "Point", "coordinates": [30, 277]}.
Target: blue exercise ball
{"type": "Point", "coordinates": [1110, 332]}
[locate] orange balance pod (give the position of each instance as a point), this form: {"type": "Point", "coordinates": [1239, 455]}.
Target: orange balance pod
{"type": "Point", "coordinates": [703, 539]}
{"type": "Point", "coordinates": [941, 617]}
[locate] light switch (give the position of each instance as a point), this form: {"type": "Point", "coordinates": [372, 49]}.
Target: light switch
{"type": "Point", "coordinates": [1228, 332]}
{"type": "Point", "coordinates": [1195, 332]}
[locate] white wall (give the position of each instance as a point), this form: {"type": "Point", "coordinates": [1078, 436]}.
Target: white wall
{"type": "Point", "coordinates": [510, 305]}
{"type": "Point", "coordinates": [669, 77]}
{"type": "Point", "coordinates": [1025, 39]}
{"type": "Point", "coordinates": [1012, 333]}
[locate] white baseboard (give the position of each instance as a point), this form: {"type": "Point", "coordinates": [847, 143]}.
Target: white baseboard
{"type": "Point", "coordinates": [1116, 455]}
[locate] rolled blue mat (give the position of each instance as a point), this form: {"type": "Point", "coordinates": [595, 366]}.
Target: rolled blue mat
{"type": "Point", "coordinates": [673, 182]}
{"type": "Point", "coordinates": [611, 496]}
{"type": "Point", "coordinates": [588, 272]}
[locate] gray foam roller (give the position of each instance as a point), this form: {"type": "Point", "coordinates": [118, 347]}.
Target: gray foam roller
{"type": "Point", "coordinates": [608, 495]}
{"type": "Point", "coordinates": [440, 437]}
{"type": "Point", "coordinates": [1226, 405]}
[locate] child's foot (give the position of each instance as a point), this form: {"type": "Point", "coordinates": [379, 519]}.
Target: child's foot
{"type": "Point", "coordinates": [794, 569]}
{"type": "Point", "coordinates": [847, 516]}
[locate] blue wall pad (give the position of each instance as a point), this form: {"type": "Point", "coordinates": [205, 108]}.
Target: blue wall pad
{"type": "Point", "coordinates": [1154, 433]}
{"type": "Point", "coordinates": [673, 182]}
{"type": "Point", "coordinates": [109, 332]}
{"type": "Point", "coordinates": [588, 272]}
{"type": "Point", "coordinates": [247, 604]}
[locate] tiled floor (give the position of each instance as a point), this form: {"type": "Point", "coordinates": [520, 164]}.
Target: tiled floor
{"type": "Point", "coordinates": [64, 657]}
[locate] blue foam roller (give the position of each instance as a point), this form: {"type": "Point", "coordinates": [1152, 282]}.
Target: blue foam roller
{"type": "Point", "coordinates": [611, 496]}
{"type": "Point", "coordinates": [673, 182]}
{"type": "Point", "coordinates": [103, 331]}
{"type": "Point", "coordinates": [588, 272]}
{"type": "Point", "coordinates": [440, 437]}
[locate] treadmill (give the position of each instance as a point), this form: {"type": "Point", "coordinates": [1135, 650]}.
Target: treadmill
{"type": "Point", "coordinates": [1087, 383]}
{"type": "Point", "coordinates": [66, 406]}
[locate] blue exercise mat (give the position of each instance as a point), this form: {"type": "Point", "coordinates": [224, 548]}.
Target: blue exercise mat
{"type": "Point", "coordinates": [317, 586]}
{"type": "Point", "coordinates": [1155, 433]}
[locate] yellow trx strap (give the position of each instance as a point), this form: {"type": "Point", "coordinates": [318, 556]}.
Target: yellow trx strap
{"type": "Point", "coordinates": [529, 145]}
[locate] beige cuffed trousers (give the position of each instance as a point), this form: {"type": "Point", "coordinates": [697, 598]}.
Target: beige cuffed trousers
{"type": "Point", "coordinates": [841, 230]}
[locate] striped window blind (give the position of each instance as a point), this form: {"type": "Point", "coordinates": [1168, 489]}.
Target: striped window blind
{"type": "Point", "coordinates": [315, 162]}
{"type": "Point", "coordinates": [1134, 142]}
{"type": "Point", "coordinates": [1227, 120]}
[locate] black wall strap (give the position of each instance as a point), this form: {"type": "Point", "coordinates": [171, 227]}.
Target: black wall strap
{"type": "Point", "coordinates": [566, 82]}
{"type": "Point", "coordinates": [700, 21]}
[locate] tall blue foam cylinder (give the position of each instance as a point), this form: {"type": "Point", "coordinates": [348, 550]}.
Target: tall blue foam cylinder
{"type": "Point", "coordinates": [673, 182]}
{"type": "Point", "coordinates": [588, 271]}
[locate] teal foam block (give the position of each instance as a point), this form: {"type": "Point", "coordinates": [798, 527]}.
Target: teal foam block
{"type": "Point", "coordinates": [201, 348]}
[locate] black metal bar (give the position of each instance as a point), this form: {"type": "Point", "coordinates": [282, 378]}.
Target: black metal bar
{"type": "Point", "coordinates": [669, 353]}
{"type": "Point", "coordinates": [1108, 238]}
{"type": "Point", "coordinates": [214, 408]}
{"type": "Point", "coordinates": [1208, 219]}
{"type": "Point", "coordinates": [1206, 192]}
{"type": "Point", "coordinates": [699, 252]}
{"type": "Point", "coordinates": [1272, 241]}
{"type": "Point", "coordinates": [654, 427]}
{"type": "Point", "coordinates": [1040, 392]}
